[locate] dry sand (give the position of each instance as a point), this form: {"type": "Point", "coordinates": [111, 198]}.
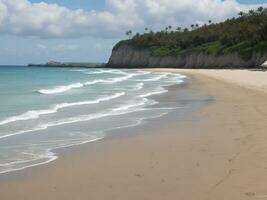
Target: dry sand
{"type": "Point", "coordinates": [219, 153]}
{"type": "Point", "coordinates": [251, 79]}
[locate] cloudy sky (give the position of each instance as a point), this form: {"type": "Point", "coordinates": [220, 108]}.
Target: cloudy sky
{"type": "Point", "coordinates": [35, 31]}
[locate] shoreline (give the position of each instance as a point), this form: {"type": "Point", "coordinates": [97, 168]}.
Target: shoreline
{"type": "Point", "coordinates": [185, 91]}
{"type": "Point", "coordinates": [243, 77]}
{"type": "Point", "coordinates": [218, 152]}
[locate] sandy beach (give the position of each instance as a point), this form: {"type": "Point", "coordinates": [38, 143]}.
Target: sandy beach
{"type": "Point", "coordinates": [218, 152]}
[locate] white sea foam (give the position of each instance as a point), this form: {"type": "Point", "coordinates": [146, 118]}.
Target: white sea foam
{"type": "Point", "coordinates": [136, 89]}
{"type": "Point", "coordinates": [79, 70]}
{"type": "Point", "coordinates": [159, 91]}
{"type": "Point", "coordinates": [144, 72]}
{"type": "Point", "coordinates": [91, 73]}
{"type": "Point", "coordinates": [110, 80]}
{"type": "Point", "coordinates": [34, 114]}
{"type": "Point", "coordinates": [139, 86]}
{"type": "Point", "coordinates": [128, 106]}
{"type": "Point", "coordinates": [169, 77]}
{"type": "Point", "coordinates": [64, 88]}
{"type": "Point", "coordinates": [124, 109]}
{"type": "Point", "coordinates": [60, 89]}
{"type": "Point", "coordinates": [180, 76]}
{"type": "Point", "coordinates": [48, 157]}
{"type": "Point", "coordinates": [106, 71]}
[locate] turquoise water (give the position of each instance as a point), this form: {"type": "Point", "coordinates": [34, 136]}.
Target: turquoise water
{"type": "Point", "coordinates": [43, 109]}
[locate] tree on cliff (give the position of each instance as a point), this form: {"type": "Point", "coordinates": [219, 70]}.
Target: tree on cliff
{"type": "Point", "coordinates": [244, 34]}
{"type": "Point", "coordinates": [129, 33]}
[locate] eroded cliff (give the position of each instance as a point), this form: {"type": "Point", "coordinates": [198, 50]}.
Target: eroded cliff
{"type": "Point", "coordinates": [129, 56]}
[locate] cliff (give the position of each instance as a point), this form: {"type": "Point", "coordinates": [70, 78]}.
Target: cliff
{"type": "Point", "coordinates": [129, 56]}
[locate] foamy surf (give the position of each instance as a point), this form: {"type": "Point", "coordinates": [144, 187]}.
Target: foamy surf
{"type": "Point", "coordinates": [34, 114]}
{"type": "Point", "coordinates": [40, 159]}
{"type": "Point", "coordinates": [105, 71]}
{"type": "Point", "coordinates": [65, 88]}
{"type": "Point", "coordinates": [116, 99]}
{"type": "Point", "coordinates": [110, 80]}
{"type": "Point", "coordinates": [159, 91]}
{"type": "Point", "coordinates": [121, 110]}
{"type": "Point", "coordinates": [60, 89]}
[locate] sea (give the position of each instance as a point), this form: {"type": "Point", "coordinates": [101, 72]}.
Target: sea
{"type": "Point", "coordinates": [44, 109]}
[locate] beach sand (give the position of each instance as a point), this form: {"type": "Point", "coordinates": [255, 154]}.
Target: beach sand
{"type": "Point", "coordinates": [218, 152]}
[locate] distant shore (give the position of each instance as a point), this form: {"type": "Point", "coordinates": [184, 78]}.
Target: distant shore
{"type": "Point", "coordinates": [69, 64]}
{"type": "Point", "coordinates": [217, 153]}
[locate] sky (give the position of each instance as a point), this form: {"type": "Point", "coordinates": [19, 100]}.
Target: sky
{"type": "Point", "coordinates": [37, 31]}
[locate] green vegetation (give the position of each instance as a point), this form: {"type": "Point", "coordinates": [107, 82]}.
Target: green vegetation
{"type": "Point", "coordinates": [244, 35]}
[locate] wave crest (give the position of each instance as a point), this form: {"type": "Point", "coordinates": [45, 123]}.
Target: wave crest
{"type": "Point", "coordinates": [35, 114]}
{"type": "Point", "coordinates": [60, 89]}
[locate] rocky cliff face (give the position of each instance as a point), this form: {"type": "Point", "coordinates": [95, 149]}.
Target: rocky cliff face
{"type": "Point", "coordinates": [128, 56]}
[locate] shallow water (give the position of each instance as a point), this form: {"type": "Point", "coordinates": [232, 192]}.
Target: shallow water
{"type": "Point", "coordinates": [43, 109]}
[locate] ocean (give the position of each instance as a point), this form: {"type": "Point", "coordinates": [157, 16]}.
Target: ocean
{"type": "Point", "coordinates": [44, 109]}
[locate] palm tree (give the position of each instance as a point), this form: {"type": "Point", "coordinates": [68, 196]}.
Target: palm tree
{"type": "Point", "coordinates": [197, 25]}
{"type": "Point", "coordinates": [251, 12]}
{"type": "Point", "coordinates": [210, 21]}
{"type": "Point", "coordinates": [241, 13]}
{"type": "Point", "coordinates": [146, 29]}
{"type": "Point", "coordinates": [170, 27]}
{"type": "Point", "coordinates": [260, 9]}
{"type": "Point", "coordinates": [129, 33]}
{"type": "Point", "coordinates": [179, 29]}
{"type": "Point", "coordinates": [186, 30]}
{"type": "Point", "coordinates": [193, 26]}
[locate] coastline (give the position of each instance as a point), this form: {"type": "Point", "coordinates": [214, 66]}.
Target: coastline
{"type": "Point", "coordinates": [254, 79]}
{"type": "Point", "coordinates": [218, 152]}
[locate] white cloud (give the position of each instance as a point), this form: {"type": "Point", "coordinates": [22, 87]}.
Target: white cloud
{"type": "Point", "coordinates": [43, 20]}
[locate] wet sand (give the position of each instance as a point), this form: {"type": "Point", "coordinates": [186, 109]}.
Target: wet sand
{"type": "Point", "coordinates": [218, 152]}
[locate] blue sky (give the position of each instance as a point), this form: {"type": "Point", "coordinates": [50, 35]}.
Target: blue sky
{"type": "Point", "coordinates": [86, 30]}
{"type": "Point", "coordinates": [252, 1]}
{"type": "Point", "coordinates": [74, 4]}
